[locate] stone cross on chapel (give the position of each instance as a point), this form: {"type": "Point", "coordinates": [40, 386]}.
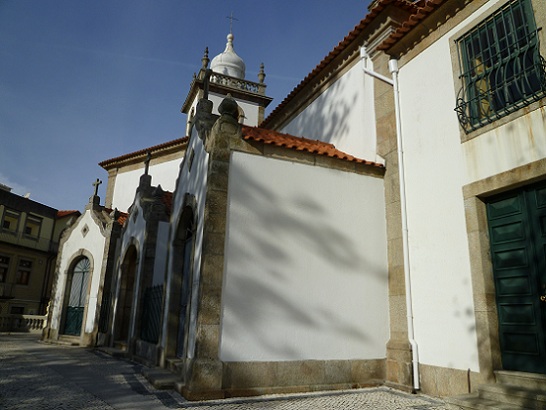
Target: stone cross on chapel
{"type": "Point", "coordinates": [96, 185]}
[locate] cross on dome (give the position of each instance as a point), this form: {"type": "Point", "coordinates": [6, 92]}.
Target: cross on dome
{"type": "Point", "coordinates": [228, 62]}
{"type": "Point", "coordinates": [231, 18]}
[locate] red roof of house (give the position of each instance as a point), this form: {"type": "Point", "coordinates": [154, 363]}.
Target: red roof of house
{"type": "Point", "coordinates": [278, 139]}
{"type": "Point", "coordinates": [122, 217]}
{"type": "Point", "coordinates": [62, 214]}
{"type": "Point", "coordinates": [426, 7]}
{"type": "Point", "coordinates": [144, 151]}
{"type": "Point", "coordinates": [377, 8]}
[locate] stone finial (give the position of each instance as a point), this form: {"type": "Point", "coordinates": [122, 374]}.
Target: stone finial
{"type": "Point", "coordinates": [229, 106]}
{"type": "Point", "coordinates": [115, 214]}
{"type": "Point", "coordinates": [205, 60]}
{"type": "Point", "coordinates": [206, 83]}
{"type": "Point", "coordinates": [261, 74]}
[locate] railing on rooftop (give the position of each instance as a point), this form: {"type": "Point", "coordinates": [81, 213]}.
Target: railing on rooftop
{"type": "Point", "coordinates": [237, 83]}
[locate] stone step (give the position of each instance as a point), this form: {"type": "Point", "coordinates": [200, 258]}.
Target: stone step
{"type": "Point", "coordinates": [517, 396]}
{"type": "Point", "coordinates": [68, 340]}
{"type": "Point", "coordinates": [112, 351]}
{"type": "Point", "coordinates": [161, 379]}
{"type": "Point", "coordinates": [521, 379]}
{"type": "Point", "coordinates": [121, 345]}
{"type": "Point", "coordinates": [175, 365]}
{"type": "Point", "coordinates": [475, 402]}
{"type": "Point", "coordinates": [512, 390]}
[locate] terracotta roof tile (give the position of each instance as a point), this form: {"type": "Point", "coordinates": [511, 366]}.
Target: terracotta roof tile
{"type": "Point", "coordinates": [63, 213]}
{"type": "Point", "coordinates": [278, 139]}
{"type": "Point", "coordinates": [378, 7]}
{"type": "Point", "coordinates": [122, 217]}
{"type": "Point", "coordinates": [144, 151]}
{"type": "Point", "coordinates": [426, 8]}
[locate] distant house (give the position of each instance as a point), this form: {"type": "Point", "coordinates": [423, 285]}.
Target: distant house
{"type": "Point", "coordinates": [29, 239]}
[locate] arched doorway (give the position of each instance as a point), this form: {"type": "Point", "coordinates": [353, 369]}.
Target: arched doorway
{"type": "Point", "coordinates": [126, 290]}
{"type": "Point", "coordinates": [179, 286]}
{"type": "Point", "coordinates": [184, 246]}
{"type": "Point", "coordinates": [77, 285]}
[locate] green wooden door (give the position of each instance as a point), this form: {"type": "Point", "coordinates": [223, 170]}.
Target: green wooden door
{"type": "Point", "coordinates": [76, 299]}
{"type": "Point", "coordinates": [517, 232]}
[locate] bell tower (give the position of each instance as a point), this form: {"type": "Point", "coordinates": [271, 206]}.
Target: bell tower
{"type": "Point", "coordinates": [226, 75]}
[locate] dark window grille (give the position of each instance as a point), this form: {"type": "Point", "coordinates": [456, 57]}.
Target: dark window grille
{"type": "Point", "coordinates": [151, 313]}
{"type": "Point", "coordinates": [501, 66]}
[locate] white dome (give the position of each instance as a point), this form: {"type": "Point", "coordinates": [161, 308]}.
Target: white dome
{"type": "Point", "coordinates": [228, 62]}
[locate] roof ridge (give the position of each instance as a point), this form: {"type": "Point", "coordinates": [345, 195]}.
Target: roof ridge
{"type": "Point", "coordinates": [144, 151]}
{"type": "Point", "coordinates": [338, 49]}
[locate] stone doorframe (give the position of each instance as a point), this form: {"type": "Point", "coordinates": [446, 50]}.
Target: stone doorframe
{"type": "Point", "coordinates": [483, 285]}
{"type": "Point", "coordinates": [74, 259]}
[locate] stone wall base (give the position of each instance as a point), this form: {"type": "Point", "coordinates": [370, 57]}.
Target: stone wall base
{"type": "Point", "coordinates": [444, 382]}
{"type": "Point", "coordinates": [399, 365]}
{"type": "Point", "coordinates": [257, 378]}
{"type": "Point", "coordinates": [147, 353]}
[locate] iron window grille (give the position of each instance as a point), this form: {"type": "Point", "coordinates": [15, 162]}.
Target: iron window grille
{"type": "Point", "coordinates": [502, 69]}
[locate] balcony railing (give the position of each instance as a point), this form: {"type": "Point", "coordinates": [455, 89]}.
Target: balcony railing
{"type": "Point", "coordinates": [237, 83]}
{"type": "Point", "coordinates": [22, 323]}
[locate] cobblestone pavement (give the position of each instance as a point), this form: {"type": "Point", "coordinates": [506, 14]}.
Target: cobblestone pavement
{"type": "Point", "coordinates": [39, 376]}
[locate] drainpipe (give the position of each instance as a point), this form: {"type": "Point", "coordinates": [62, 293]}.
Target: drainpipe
{"type": "Point", "coordinates": [393, 69]}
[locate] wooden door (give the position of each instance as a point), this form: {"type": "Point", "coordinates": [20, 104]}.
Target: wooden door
{"type": "Point", "coordinates": [517, 232]}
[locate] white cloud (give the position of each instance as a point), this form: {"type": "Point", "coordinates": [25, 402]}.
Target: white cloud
{"type": "Point", "coordinates": [16, 188]}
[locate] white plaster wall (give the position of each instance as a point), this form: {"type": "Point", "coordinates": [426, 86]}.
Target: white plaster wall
{"type": "Point", "coordinates": [512, 145]}
{"type": "Point", "coordinates": [194, 182]}
{"type": "Point", "coordinates": [435, 173]}
{"type": "Point", "coordinates": [93, 242]}
{"type": "Point", "coordinates": [163, 174]}
{"type": "Point", "coordinates": [306, 264]}
{"type": "Point", "coordinates": [343, 115]}
{"type": "Point", "coordinates": [438, 166]}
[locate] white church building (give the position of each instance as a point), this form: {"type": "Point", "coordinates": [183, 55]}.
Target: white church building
{"type": "Point", "coordinates": [399, 242]}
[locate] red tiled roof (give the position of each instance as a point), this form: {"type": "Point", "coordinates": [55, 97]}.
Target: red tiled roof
{"type": "Point", "coordinates": [144, 151]}
{"type": "Point", "coordinates": [300, 144]}
{"type": "Point", "coordinates": [426, 7]}
{"type": "Point", "coordinates": [342, 45]}
{"type": "Point", "coordinates": [63, 213]}
{"type": "Point", "coordinates": [122, 217]}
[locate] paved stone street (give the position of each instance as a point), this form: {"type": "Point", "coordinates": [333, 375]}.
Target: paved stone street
{"type": "Point", "coordinates": [38, 376]}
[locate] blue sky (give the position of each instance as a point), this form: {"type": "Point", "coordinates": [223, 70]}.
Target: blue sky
{"type": "Point", "coordinates": [82, 81]}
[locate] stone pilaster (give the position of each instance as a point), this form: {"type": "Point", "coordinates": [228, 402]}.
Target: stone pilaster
{"type": "Point", "coordinates": [399, 365]}
{"type": "Point", "coordinates": [205, 379]}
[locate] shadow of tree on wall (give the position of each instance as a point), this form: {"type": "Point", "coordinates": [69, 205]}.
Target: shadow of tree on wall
{"type": "Point", "coordinates": [295, 230]}
{"type": "Point", "coordinates": [329, 119]}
